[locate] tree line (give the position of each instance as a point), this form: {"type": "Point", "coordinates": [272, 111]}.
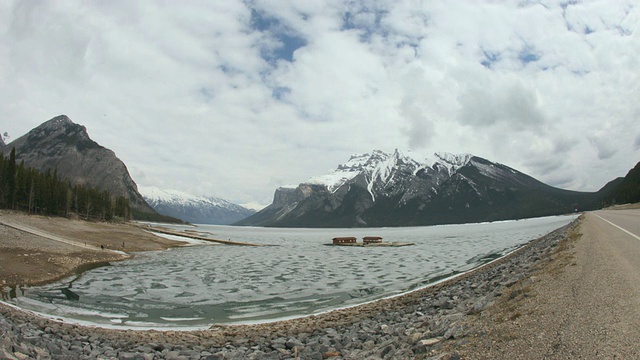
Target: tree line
{"type": "Point", "coordinates": [45, 193]}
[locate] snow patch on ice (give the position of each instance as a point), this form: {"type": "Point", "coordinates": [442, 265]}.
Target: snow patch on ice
{"type": "Point", "coordinates": [189, 241]}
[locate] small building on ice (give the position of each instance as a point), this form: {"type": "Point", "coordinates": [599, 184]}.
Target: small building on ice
{"type": "Point", "coordinates": [344, 240]}
{"type": "Point", "coordinates": [372, 240]}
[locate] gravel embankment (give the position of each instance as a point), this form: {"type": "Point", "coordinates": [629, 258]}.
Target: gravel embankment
{"type": "Point", "coordinates": [416, 325]}
{"type": "Point", "coordinates": [583, 304]}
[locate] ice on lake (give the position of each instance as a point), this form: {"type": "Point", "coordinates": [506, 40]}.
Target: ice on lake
{"type": "Point", "coordinates": [298, 275]}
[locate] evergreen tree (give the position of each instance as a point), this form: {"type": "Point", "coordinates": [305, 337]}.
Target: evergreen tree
{"type": "Point", "coordinates": [27, 189]}
{"type": "Point", "coordinates": [11, 179]}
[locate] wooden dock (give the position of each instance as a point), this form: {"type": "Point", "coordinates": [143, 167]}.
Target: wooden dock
{"type": "Point", "coordinates": [367, 241]}
{"type": "Point", "coordinates": [388, 244]}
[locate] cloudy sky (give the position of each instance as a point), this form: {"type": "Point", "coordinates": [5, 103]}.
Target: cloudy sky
{"type": "Point", "coordinates": [236, 98]}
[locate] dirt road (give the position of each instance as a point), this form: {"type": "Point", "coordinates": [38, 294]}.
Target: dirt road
{"type": "Point", "coordinates": [585, 304]}
{"type": "Point", "coordinates": [46, 235]}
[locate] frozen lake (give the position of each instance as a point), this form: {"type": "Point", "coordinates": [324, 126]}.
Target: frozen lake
{"type": "Point", "coordinates": [196, 286]}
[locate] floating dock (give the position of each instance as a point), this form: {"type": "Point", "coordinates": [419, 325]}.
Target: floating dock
{"type": "Point", "coordinates": [391, 244]}
{"type": "Point", "coordinates": [366, 241]}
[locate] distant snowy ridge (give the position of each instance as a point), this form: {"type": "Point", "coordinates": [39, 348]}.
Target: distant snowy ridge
{"type": "Point", "coordinates": [193, 208]}
{"type": "Point", "coordinates": [379, 168]}
{"type": "Point", "coordinates": [155, 194]}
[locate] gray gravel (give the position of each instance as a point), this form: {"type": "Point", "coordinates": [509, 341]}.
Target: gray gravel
{"type": "Point", "coordinates": [583, 304]}
{"type": "Point", "coordinates": [412, 326]}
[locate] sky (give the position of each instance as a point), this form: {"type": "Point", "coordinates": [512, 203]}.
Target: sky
{"type": "Point", "coordinates": [236, 98]}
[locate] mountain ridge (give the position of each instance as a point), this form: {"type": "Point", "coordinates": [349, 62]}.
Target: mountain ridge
{"type": "Point", "coordinates": [193, 208]}
{"type": "Point", "coordinates": [393, 189]}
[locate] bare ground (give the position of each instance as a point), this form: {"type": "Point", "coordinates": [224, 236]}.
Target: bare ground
{"type": "Point", "coordinates": [64, 246]}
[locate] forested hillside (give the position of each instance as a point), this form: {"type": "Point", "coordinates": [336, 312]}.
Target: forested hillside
{"type": "Point", "coordinates": [628, 189]}
{"type": "Point", "coordinates": [26, 189]}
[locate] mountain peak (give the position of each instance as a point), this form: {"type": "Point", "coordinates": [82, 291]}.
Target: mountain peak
{"type": "Point", "coordinates": [60, 144]}
{"type": "Point", "coordinates": [379, 165]}
{"type": "Point", "coordinates": [193, 208]}
{"type": "Point", "coordinates": [453, 162]}
{"type": "Point", "coordinates": [62, 131]}
{"type": "Point", "coordinates": [454, 159]}
{"type": "Point", "coordinates": [57, 124]}
{"type": "Point", "coordinates": [60, 120]}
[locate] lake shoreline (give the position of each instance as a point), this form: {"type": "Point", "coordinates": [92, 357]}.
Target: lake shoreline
{"type": "Point", "coordinates": [411, 325]}
{"type": "Point", "coordinates": [38, 250]}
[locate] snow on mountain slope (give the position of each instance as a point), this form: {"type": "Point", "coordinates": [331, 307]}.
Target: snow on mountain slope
{"type": "Point", "coordinates": [343, 173]}
{"type": "Point", "coordinates": [380, 168]}
{"type": "Point", "coordinates": [154, 194]}
{"type": "Point", "coordinates": [193, 208]}
{"type": "Point", "coordinates": [453, 162]}
{"type": "Point", "coordinates": [396, 189]}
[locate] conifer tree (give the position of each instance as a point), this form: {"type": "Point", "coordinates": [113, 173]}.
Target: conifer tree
{"type": "Point", "coordinates": [29, 190]}
{"type": "Point", "coordinates": [11, 179]}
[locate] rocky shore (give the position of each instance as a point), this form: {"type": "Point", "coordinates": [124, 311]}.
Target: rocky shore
{"type": "Point", "coordinates": [417, 325]}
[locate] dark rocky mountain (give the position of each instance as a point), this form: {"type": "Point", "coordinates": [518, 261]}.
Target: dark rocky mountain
{"type": "Point", "coordinates": [381, 189]}
{"type": "Point", "coordinates": [194, 209]}
{"type": "Point", "coordinates": [63, 145]}
{"type": "Point", "coordinates": [624, 190]}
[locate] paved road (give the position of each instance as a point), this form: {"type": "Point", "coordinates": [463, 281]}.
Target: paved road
{"type": "Point", "coordinates": [585, 304]}
{"type": "Point", "coordinates": [594, 305]}
{"type": "Point", "coordinates": [606, 286]}
{"type": "Point", "coordinates": [625, 220]}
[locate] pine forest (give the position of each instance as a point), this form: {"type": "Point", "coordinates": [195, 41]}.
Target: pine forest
{"type": "Point", "coordinates": [26, 189]}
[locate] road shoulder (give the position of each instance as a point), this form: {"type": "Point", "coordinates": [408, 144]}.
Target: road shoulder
{"type": "Point", "coordinates": [582, 302]}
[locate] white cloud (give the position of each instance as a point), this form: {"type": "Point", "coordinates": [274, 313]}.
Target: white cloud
{"type": "Point", "coordinates": [507, 103]}
{"type": "Point", "coordinates": [190, 96]}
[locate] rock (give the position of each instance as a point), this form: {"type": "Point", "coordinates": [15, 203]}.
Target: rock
{"type": "Point", "coordinates": [387, 350]}
{"type": "Point", "coordinates": [143, 349]}
{"type": "Point", "coordinates": [212, 357]}
{"type": "Point", "coordinates": [110, 353]}
{"type": "Point", "coordinates": [429, 342]}
{"type": "Point", "coordinates": [455, 332]}
{"type": "Point", "coordinates": [444, 304]}
{"type": "Point", "coordinates": [4, 354]}
{"type": "Point", "coordinates": [20, 356]}
{"type": "Point", "coordinates": [156, 347]}
{"type": "Point", "coordinates": [415, 337]}
{"type": "Point", "coordinates": [41, 353]}
{"type": "Point", "coordinates": [330, 354]}
{"type": "Point", "coordinates": [479, 305]}
{"type": "Point", "coordinates": [127, 356]}
{"type": "Point", "coordinates": [291, 343]}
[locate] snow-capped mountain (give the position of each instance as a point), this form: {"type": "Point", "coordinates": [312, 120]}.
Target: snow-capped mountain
{"type": "Point", "coordinates": [382, 171]}
{"type": "Point", "coordinates": [395, 189]}
{"type": "Point", "coordinates": [192, 208]}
